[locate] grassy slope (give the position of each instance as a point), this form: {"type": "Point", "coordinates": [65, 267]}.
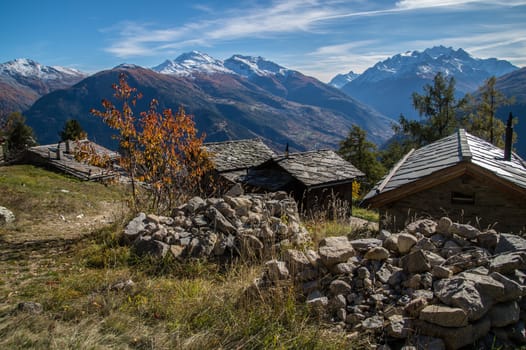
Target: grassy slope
{"type": "Point", "coordinates": [70, 266]}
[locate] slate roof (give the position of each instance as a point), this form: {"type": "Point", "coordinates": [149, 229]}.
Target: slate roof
{"type": "Point", "coordinates": [237, 155]}
{"type": "Point", "coordinates": [448, 152]}
{"type": "Point", "coordinates": [68, 164]}
{"type": "Point", "coordinates": [313, 169]}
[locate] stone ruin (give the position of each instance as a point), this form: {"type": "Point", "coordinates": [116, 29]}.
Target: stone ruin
{"type": "Point", "coordinates": [250, 226]}
{"type": "Point", "coordinates": [436, 285]}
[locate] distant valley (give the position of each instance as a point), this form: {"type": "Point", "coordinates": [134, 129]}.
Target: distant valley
{"type": "Point", "coordinates": [246, 96]}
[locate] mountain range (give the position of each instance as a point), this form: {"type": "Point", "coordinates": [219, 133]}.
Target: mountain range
{"type": "Point", "coordinates": [242, 97]}
{"type": "Point", "coordinates": [23, 81]}
{"type": "Point", "coordinates": [246, 96]}
{"type": "Point", "coordinates": [389, 84]}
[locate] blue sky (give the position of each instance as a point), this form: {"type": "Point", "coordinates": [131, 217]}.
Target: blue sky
{"type": "Point", "coordinates": [318, 38]}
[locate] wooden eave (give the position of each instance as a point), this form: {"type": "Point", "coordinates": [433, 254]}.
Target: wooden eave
{"type": "Point", "coordinates": [443, 176]}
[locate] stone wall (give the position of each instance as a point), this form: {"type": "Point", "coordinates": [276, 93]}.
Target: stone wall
{"type": "Point", "coordinates": [434, 285]}
{"type": "Point", "coordinates": [491, 206]}
{"type": "Point", "coordinates": [252, 226]}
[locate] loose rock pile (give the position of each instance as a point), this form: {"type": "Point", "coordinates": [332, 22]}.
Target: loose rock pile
{"type": "Point", "coordinates": [437, 284]}
{"type": "Point", "coordinates": [252, 225]}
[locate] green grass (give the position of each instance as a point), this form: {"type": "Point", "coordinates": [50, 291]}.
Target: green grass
{"type": "Point", "coordinates": [366, 214]}
{"type": "Point", "coordinates": [195, 305]}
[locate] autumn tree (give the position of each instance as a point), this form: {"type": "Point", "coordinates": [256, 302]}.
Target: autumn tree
{"type": "Point", "coordinates": [362, 154]}
{"type": "Point", "coordinates": [72, 131]}
{"type": "Point", "coordinates": [161, 150]}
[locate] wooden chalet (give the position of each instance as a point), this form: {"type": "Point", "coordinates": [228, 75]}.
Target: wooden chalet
{"type": "Point", "coordinates": [61, 157]}
{"type": "Point", "coordinates": [319, 180]}
{"type": "Point", "coordinates": [460, 176]}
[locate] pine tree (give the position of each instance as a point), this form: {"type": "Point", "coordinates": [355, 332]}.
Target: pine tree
{"type": "Point", "coordinates": [362, 154]}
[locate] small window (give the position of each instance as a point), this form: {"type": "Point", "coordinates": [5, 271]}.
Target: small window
{"type": "Point", "coordinates": [462, 198]}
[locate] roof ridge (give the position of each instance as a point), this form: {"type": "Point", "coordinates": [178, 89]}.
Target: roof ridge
{"type": "Point", "coordinates": [306, 152]}
{"type": "Point", "coordinates": [393, 171]}
{"type": "Point", "coordinates": [233, 141]}
{"type": "Point", "coordinates": [463, 146]}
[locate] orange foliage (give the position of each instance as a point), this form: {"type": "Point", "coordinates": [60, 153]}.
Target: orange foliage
{"type": "Point", "coordinates": [161, 150]}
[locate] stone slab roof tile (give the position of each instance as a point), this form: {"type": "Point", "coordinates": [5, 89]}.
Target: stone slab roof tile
{"type": "Point", "coordinates": [448, 152]}
{"type": "Point", "coordinates": [239, 154]}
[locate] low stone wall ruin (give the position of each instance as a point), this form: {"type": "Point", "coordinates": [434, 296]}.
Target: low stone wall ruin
{"type": "Point", "coordinates": [252, 225]}
{"type": "Point", "coordinates": [436, 285]}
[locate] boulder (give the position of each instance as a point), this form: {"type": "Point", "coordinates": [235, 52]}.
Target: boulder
{"type": "Point", "coordinates": [415, 262]}
{"type": "Point", "coordinates": [219, 222]}
{"type": "Point", "coordinates": [339, 287]}
{"type": "Point", "coordinates": [145, 245]}
{"type": "Point", "coordinates": [276, 270]}
{"type": "Point", "coordinates": [377, 253]}
{"type": "Point", "coordinates": [510, 243]}
{"type": "Point", "coordinates": [405, 242]}
{"type": "Point", "coordinates": [135, 227]}
{"type": "Point", "coordinates": [445, 316]}
{"type": "Point", "coordinates": [462, 293]}
{"type": "Point", "coordinates": [506, 263]}
{"type": "Point", "coordinates": [464, 230]}
{"type": "Point", "coordinates": [504, 314]}
{"type": "Point", "coordinates": [426, 227]}
{"type": "Point", "coordinates": [334, 250]}
{"type": "Point", "coordinates": [443, 225]}
{"type": "Point", "coordinates": [363, 245]}
{"type": "Point", "coordinates": [6, 216]}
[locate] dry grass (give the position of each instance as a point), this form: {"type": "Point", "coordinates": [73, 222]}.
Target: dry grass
{"type": "Point", "coordinates": [197, 305]}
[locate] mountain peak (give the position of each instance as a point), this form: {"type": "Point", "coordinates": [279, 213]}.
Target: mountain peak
{"type": "Point", "coordinates": [191, 62]}
{"type": "Point", "coordinates": [340, 80]}
{"type": "Point", "coordinates": [248, 66]}
{"type": "Point", "coordinates": [25, 67]}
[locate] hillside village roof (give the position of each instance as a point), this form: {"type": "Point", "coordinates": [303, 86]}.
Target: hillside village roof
{"type": "Point", "coordinates": [233, 158]}
{"type": "Point", "coordinates": [313, 169]}
{"type": "Point", "coordinates": [56, 155]}
{"type": "Point", "coordinates": [458, 148]}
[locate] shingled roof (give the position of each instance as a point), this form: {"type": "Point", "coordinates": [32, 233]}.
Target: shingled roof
{"type": "Point", "coordinates": [447, 153]}
{"type": "Point", "coordinates": [239, 154]}
{"type": "Point", "coordinates": [57, 156]}
{"type": "Point", "coordinates": [313, 169]}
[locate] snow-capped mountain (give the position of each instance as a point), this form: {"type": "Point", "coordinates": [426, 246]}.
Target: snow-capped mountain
{"type": "Point", "coordinates": [23, 81]}
{"type": "Point", "coordinates": [23, 67]}
{"type": "Point", "coordinates": [249, 66]}
{"type": "Point", "coordinates": [196, 62]}
{"type": "Point", "coordinates": [190, 63]}
{"type": "Point", "coordinates": [389, 84]}
{"type": "Point", "coordinates": [341, 80]}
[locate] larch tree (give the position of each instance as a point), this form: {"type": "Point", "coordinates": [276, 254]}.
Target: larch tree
{"type": "Point", "coordinates": [481, 119]}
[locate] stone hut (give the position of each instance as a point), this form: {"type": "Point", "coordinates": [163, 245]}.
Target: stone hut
{"type": "Point", "coordinates": [460, 176]}
{"type": "Point", "coordinates": [232, 159]}
{"type": "Point", "coordinates": [318, 180]}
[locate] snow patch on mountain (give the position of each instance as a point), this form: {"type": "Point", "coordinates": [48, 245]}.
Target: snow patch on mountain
{"type": "Point", "coordinates": [249, 66]}
{"type": "Point", "coordinates": [341, 79]}
{"type": "Point", "coordinates": [431, 61]}
{"type": "Point", "coordinates": [190, 63]}
{"type": "Point", "coordinates": [23, 67]}
{"type": "Point", "coordinates": [194, 62]}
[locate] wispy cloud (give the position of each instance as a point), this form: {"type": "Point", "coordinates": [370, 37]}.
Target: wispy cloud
{"type": "Point", "coordinates": [349, 34]}
{"type": "Point", "coordinates": [282, 16]}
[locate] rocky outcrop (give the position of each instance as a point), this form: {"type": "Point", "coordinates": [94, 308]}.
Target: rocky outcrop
{"type": "Point", "coordinates": [444, 282]}
{"type": "Point", "coordinates": [252, 226]}
{"type": "Point", "coordinates": [6, 216]}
